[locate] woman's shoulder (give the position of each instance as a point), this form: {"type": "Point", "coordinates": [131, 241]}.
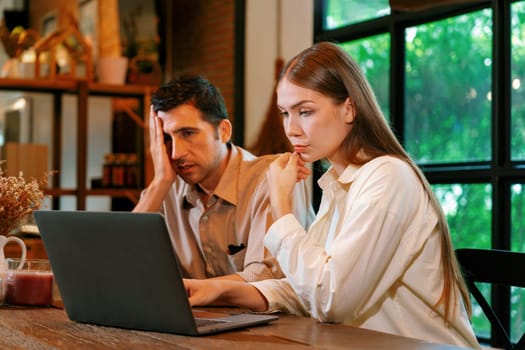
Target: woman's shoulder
{"type": "Point", "coordinates": [391, 164]}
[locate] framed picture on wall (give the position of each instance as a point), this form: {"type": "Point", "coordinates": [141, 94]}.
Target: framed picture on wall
{"type": "Point", "coordinates": [16, 121]}
{"type": "Point", "coordinates": [88, 23]}
{"type": "Point", "coordinates": [49, 23]}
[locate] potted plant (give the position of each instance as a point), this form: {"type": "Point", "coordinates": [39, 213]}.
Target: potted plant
{"type": "Point", "coordinates": [15, 42]}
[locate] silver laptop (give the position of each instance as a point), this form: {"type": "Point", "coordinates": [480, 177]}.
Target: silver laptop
{"type": "Point", "coordinates": [119, 269]}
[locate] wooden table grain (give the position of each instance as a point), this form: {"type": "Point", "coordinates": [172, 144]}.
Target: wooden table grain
{"type": "Point", "coordinates": [50, 328]}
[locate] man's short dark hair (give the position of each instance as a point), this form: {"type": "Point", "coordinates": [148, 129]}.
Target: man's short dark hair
{"type": "Point", "coordinates": [194, 90]}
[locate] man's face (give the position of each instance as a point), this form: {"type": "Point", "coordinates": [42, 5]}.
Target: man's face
{"type": "Point", "coordinates": [196, 148]}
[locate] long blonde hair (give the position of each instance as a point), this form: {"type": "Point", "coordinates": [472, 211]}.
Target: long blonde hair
{"type": "Point", "coordinates": [327, 69]}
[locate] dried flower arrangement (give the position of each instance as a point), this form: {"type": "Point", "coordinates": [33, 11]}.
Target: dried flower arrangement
{"type": "Point", "coordinates": [18, 198]}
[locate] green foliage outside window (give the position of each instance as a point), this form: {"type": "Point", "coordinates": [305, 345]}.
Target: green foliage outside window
{"type": "Point", "coordinates": [339, 13]}
{"type": "Point", "coordinates": [517, 244]}
{"type": "Point", "coordinates": [468, 208]}
{"type": "Point", "coordinates": [373, 56]}
{"type": "Point", "coordinates": [448, 89]}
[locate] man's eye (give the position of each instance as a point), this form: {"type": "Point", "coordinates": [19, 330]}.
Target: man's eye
{"type": "Point", "coordinates": [188, 133]}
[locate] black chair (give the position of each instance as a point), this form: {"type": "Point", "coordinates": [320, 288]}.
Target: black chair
{"type": "Point", "coordinates": [497, 267]}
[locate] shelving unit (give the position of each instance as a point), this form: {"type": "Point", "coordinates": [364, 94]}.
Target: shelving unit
{"type": "Point", "coordinates": [83, 90]}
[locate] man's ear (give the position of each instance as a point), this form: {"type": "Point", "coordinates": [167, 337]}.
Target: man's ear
{"type": "Point", "coordinates": [225, 130]}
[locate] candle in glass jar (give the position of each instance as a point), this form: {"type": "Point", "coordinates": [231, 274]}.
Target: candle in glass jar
{"type": "Point", "coordinates": [29, 288]}
{"type": "Point", "coordinates": [32, 284]}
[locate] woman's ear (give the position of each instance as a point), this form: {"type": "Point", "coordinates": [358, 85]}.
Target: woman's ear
{"type": "Point", "coordinates": [350, 111]}
{"type": "Point", "coordinates": [225, 130]}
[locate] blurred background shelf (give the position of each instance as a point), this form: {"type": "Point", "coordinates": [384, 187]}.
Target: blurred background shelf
{"type": "Point", "coordinates": [83, 90]}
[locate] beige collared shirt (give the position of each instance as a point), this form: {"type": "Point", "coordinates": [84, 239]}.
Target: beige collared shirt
{"type": "Point", "coordinates": [371, 258]}
{"type": "Point", "coordinates": [236, 215]}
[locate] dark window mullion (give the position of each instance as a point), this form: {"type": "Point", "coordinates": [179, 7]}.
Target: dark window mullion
{"type": "Point", "coordinates": [501, 133]}
{"type": "Point", "coordinates": [501, 139]}
{"type": "Point", "coordinates": [397, 80]}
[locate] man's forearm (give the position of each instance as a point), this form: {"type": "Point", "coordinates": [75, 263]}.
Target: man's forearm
{"type": "Point", "coordinates": [152, 198]}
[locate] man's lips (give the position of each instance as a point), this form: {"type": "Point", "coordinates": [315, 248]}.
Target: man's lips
{"type": "Point", "coordinates": [182, 168]}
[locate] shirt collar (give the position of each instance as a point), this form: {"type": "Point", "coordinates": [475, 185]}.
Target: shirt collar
{"type": "Point", "coordinates": [226, 188]}
{"type": "Point", "coordinates": [345, 178]}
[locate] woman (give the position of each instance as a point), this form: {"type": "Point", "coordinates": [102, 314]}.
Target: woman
{"type": "Point", "coordinates": [378, 254]}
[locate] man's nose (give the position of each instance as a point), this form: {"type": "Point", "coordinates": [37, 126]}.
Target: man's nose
{"type": "Point", "coordinates": [178, 149]}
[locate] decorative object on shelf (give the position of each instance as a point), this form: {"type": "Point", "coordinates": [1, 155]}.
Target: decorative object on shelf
{"type": "Point", "coordinates": [67, 49]}
{"type": "Point", "coordinates": [120, 170]}
{"type": "Point", "coordinates": [18, 198]}
{"type": "Point", "coordinates": [15, 43]}
{"type": "Point", "coordinates": [144, 70]}
{"type": "Point", "coordinates": [139, 44]}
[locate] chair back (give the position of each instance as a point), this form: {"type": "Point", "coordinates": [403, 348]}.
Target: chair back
{"type": "Point", "coordinates": [497, 267]}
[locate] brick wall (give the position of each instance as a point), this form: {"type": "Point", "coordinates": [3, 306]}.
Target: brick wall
{"type": "Point", "coordinates": [204, 43]}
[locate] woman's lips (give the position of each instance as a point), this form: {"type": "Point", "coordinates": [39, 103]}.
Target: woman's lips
{"type": "Point", "coordinates": [299, 148]}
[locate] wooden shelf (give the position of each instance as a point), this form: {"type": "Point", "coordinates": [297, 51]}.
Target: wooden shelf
{"type": "Point", "coordinates": [83, 89]}
{"type": "Point", "coordinates": [40, 85]}
{"type": "Point", "coordinates": [71, 86]}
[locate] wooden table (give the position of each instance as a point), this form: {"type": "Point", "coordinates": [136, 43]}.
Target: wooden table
{"type": "Point", "coordinates": [50, 328]}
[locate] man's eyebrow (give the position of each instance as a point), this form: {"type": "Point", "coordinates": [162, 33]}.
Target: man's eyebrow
{"type": "Point", "coordinates": [183, 129]}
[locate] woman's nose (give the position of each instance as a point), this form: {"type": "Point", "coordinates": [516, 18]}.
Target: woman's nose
{"type": "Point", "coordinates": [292, 126]}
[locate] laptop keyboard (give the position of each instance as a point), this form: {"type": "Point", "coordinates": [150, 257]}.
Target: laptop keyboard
{"type": "Point", "coordinates": [207, 322]}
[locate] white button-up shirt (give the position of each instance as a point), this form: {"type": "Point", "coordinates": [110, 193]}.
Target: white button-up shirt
{"type": "Point", "coordinates": [371, 258]}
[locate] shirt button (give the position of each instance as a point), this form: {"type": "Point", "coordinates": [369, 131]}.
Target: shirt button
{"type": "Point", "coordinates": [205, 218]}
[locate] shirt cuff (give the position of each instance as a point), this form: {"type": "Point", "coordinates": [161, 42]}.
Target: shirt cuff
{"type": "Point", "coordinates": [256, 272]}
{"type": "Point", "coordinates": [280, 297]}
{"type": "Point", "coordinates": [278, 231]}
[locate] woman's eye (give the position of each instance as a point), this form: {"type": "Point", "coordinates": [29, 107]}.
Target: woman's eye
{"type": "Point", "coordinates": [305, 113]}
{"type": "Point", "coordinates": [283, 114]}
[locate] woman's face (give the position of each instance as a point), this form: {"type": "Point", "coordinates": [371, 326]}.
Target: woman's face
{"type": "Point", "coordinates": [314, 124]}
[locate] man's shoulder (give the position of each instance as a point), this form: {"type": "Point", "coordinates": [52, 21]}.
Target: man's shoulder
{"type": "Point", "coordinates": [249, 160]}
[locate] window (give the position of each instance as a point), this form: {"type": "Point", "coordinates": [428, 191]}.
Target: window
{"type": "Point", "coordinates": [340, 13]}
{"type": "Point", "coordinates": [442, 77]}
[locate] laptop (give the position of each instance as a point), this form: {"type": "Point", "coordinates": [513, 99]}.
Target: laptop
{"type": "Point", "coordinates": [119, 269]}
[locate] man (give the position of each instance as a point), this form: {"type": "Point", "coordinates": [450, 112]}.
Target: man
{"type": "Point", "coordinates": [213, 194]}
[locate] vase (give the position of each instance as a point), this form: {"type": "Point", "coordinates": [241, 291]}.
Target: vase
{"type": "Point", "coordinates": [112, 70]}
{"type": "Point", "coordinates": [3, 267]}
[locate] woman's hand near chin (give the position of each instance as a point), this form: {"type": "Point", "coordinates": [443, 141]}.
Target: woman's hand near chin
{"type": "Point", "coordinates": [283, 174]}
{"type": "Point", "coordinates": [302, 170]}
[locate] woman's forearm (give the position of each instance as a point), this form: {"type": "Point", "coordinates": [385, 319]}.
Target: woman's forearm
{"type": "Point", "coordinates": [244, 295]}
{"type": "Point", "coordinates": [221, 292]}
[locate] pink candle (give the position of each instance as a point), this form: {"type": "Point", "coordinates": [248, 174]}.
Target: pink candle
{"type": "Point", "coordinates": [29, 287]}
